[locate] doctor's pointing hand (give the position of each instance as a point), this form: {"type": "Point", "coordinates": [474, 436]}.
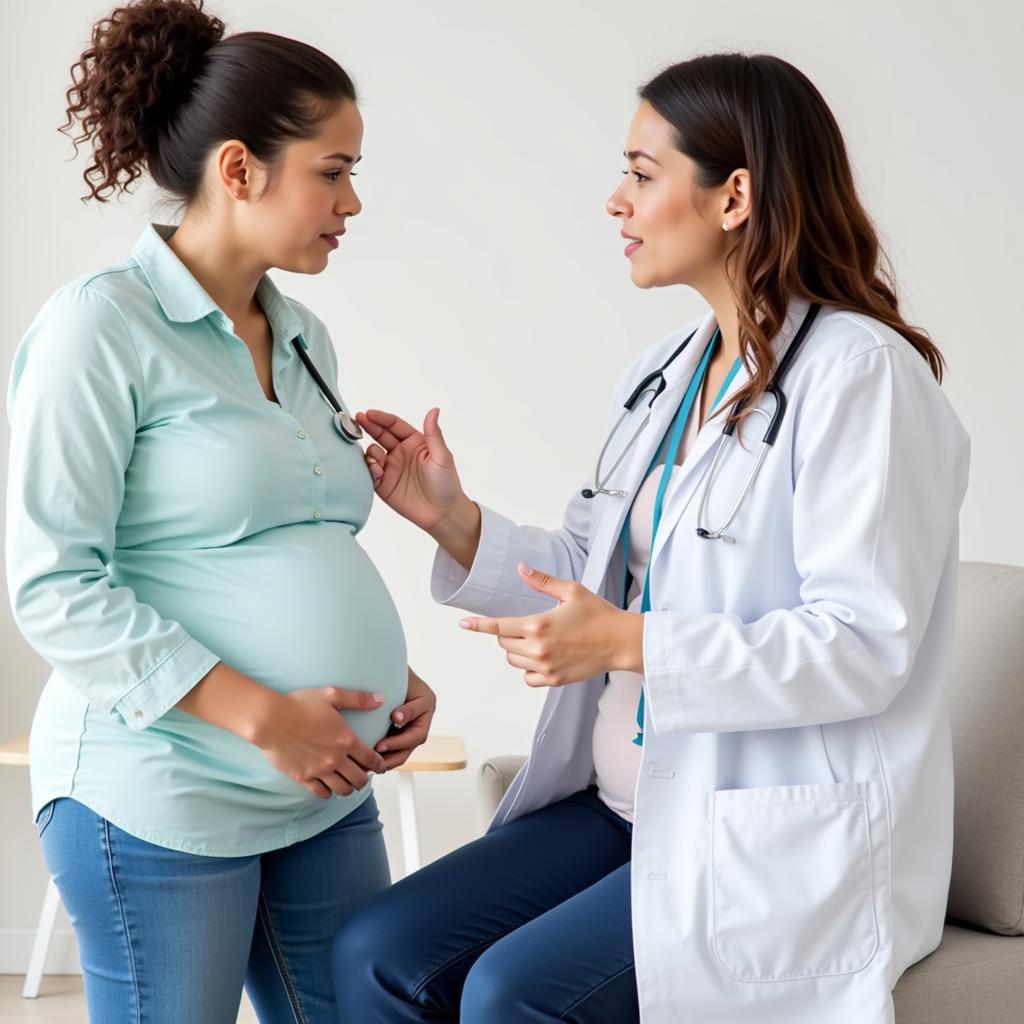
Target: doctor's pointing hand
{"type": "Point", "coordinates": [583, 637]}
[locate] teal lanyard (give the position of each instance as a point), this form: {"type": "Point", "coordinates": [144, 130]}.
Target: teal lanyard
{"type": "Point", "coordinates": [678, 426]}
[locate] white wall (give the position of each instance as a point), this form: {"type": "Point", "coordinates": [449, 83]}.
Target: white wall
{"type": "Point", "coordinates": [484, 275]}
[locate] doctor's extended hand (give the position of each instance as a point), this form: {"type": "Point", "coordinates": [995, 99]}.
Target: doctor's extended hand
{"type": "Point", "coordinates": [413, 471]}
{"type": "Point", "coordinates": [584, 636]}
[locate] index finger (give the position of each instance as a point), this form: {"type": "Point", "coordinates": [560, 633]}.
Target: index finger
{"type": "Point", "coordinates": [513, 627]}
{"type": "Point", "coordinates": [387, 423]}
{"type": "Point", "coordinates": [364, 756]}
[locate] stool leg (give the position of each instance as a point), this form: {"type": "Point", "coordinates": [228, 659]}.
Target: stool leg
{"type": "Point", "coordinates": [410, 829]}
{"type": "Point", "coordinates": [41, 944]}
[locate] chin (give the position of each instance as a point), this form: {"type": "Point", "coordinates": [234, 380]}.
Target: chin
{"type": "Point", "coordinates": [642, 279]}
{"type": "Point", "coordinates": [304, 265]}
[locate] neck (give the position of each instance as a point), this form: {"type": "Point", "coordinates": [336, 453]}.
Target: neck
{"type": "Point", "coordinates": [718, 295]}
{"type": "Point", "coordinates": [227, 271]}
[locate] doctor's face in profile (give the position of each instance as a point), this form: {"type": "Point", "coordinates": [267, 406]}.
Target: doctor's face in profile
{"type": "Point", "coordinates": [672, 225]}
{"type": "Point", "coordinates": [300, 219]}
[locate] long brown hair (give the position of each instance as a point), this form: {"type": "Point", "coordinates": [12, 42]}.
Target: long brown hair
{"type": "Point", "coordinates": [808, 235]}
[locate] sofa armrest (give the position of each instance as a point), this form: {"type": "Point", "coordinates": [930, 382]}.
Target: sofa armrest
{"type": "Point", "coordinates": [494, 778]}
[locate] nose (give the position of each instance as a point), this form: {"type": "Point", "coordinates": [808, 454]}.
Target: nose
{"type": "Point", "coordinates": [618, 205]}
{"type": "Point", "coordinates": [348, 202]}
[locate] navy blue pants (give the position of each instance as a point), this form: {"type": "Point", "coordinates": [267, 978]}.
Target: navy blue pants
{"type": "Point", "coordinates": [528, 924]}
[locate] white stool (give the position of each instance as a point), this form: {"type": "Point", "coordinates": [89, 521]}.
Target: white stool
{"type": "Point", "coordinates": [16, 753]}
{"type": "Point", "coordinates": [438, 754]}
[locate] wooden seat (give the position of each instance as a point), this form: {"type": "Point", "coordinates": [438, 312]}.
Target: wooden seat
{"type": "Point", "coordinates": [15, 752]}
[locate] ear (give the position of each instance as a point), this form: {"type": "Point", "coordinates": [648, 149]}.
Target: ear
{"type": "Point", "coordinates": [736, 199]}
{"type": "Point", "coordinates": [235, 169]}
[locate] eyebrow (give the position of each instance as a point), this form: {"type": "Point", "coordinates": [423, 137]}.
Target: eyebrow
{"type": "Point", "coordinates": [633, 154]}
{"type": "Point", "coordinates": [342, 156]}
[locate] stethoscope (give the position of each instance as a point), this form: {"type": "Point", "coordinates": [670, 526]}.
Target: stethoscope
{"type": "Point", "coordinates": [344, 424]}
{"type": "Point", "coordinates": [654, 384]}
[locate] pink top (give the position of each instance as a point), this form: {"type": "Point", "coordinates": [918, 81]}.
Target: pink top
{"type": "Point", "coordinates": [616, 756]}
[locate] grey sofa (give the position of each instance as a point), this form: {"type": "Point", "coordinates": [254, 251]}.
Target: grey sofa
{"type": "Point", "coordinates": [976, 976]}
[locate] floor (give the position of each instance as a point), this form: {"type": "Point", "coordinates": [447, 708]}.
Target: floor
{"type": "Point", "coordinates": [60, 1001]}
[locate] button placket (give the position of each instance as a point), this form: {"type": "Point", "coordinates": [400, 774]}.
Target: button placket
{"type": "Point", "coordinates": [318, 492]}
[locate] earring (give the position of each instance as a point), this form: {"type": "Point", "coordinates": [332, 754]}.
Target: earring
{"type": "Point", "coordinates": [725, 225]}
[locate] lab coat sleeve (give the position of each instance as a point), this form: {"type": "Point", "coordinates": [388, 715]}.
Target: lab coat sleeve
{"type": "Point", "coordinates": [73, 403]}
{"type": "Point", "coordinates": [492, 586]}
{"type": "Point", "coordinates": [880, 471]}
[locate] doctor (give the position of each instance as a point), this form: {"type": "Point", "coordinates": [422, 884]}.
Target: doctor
{"type": "Point", "coordinates": [738, 805]}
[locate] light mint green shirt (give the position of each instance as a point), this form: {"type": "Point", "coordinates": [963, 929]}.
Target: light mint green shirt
{"type": "Point", "coordinates": [162, 515]}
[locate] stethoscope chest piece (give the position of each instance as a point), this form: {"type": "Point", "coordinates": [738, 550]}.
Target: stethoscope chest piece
{"type": "Point", "coordinates": [345, 425]}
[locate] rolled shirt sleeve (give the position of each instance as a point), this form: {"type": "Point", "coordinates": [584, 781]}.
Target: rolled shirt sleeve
{"type": "Point", "coordinates": [74, 405]}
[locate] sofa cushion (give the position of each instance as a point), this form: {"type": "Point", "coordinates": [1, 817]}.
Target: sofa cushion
{"type": "Point", "coordinates": [987, 887]}
{"type": "Point", "coordinates": [972, 976]}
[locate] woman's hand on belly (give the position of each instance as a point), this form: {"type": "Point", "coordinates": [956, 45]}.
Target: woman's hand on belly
{"type": "Point", "coordinates": [412, 723]}
{"type": "Point", "coordinates": [303, 736]}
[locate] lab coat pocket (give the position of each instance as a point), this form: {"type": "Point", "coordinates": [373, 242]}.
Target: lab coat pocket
{"type": "Point", "coordinates": [792, 880]}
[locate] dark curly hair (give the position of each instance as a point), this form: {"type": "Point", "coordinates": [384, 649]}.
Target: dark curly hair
{"type": "Point", "coordinates": [160, 86]}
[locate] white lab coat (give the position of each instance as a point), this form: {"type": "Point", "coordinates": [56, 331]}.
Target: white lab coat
{"type": "Point", "coordinates": [793, 835]}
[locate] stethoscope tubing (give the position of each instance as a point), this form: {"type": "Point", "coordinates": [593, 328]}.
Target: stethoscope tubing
{"type": "Point", "coordinates": [771, 432]}
{"type": "Point", "coordinates": [344, 424]}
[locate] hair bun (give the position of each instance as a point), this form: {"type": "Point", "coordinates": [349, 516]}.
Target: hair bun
{"type": "Point", "coordinates": [140, 67]}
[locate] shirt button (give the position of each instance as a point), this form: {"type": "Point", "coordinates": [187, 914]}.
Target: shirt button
{"type": "Point", "coordinates": [137, 712]}
{"type": "Point", "coordinates": [318, 469]}
{"type": "Point", "coordinates": [318, 514]}
{"type": "Point", "coordinates": [300, 434]}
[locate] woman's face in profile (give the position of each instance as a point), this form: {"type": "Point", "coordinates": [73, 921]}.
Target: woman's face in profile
{"type": "Point", "coordinates": [312, 196]}
{"type": "Point", "coordinates": [659, 203]}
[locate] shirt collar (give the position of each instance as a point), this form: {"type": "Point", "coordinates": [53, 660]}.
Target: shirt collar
{"type": "Point", "coordinates": [184, 300]}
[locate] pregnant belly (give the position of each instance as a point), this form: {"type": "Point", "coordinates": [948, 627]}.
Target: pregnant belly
{"type": "Point", "coordinates": [292, 607]}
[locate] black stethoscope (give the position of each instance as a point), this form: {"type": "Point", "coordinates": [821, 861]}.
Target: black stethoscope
{"type": "Point", "coordinates": [654, 384]}
{"type": "Point", "coordinates": [344, 424]}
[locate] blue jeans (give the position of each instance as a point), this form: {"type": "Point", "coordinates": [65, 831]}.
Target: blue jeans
{"type": "Point", "coordinates": [167, 937]}
{"type": "Point", "coordinates": [529, 924]}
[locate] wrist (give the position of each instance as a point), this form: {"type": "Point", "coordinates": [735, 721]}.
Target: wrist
{"type": "Point", "coordinates": [458, 531]}
{"type": "Point", "coordinates": [233, 701]}
{"type": "Point", "coordinates": [457, 521]}
{"type": "Point", "coordinates": [628, 647]}
{"type": "Point", "coordinates": [263, 711]}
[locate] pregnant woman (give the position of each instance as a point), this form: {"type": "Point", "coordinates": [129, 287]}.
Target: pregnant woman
{"type": "Point", "coordinates": [182, 519]}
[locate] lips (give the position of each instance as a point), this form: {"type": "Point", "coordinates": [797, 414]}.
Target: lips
{"type": "Point", "coordinates": [332, 238]}
{"type": "Point", "coordinates": [632, 243]}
